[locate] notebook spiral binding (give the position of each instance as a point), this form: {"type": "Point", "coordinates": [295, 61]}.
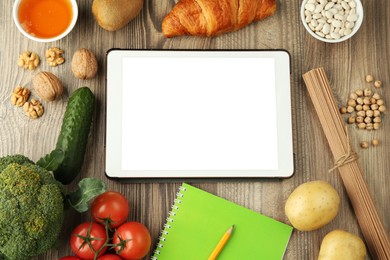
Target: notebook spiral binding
{"type": "Point", "coordinates": [169, 222]}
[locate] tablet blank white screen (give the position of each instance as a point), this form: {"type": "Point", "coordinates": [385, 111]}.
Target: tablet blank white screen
{"type": "Point", "coordinates": [199, 114]}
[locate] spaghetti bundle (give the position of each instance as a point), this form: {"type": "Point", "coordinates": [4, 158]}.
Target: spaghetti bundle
{"type": "Point", "coordinates": [351, 173]}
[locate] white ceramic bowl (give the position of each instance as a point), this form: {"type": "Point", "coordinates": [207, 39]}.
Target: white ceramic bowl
{"type": "Point", "coordinates": [358, 23]}
{"type": "Point", "coordinates": [15, 11]}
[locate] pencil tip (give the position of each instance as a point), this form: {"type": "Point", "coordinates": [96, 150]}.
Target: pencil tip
{"type": "Point", "coordinates": [231, 229]}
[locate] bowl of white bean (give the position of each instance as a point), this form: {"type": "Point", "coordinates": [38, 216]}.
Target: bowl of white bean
{"type": "Point", "coordinates": [332, 20]}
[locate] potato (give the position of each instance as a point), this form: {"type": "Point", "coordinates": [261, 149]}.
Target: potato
{"type": "Point", "coordinates": [112, 15]}
{"type": "Point", "coordinates": [339, 244]}
{"type": "Point", "coordinates": [312, 205]}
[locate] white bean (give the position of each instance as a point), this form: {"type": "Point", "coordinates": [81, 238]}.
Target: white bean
{"type": "Point", "coordinates": [317, 16]}
{"type": "Point", "coordinates": [329, 14]}
{"type": "Point", "coordinates": [322, 20]}
{"type": "Point", "coordinates": [352, 4]}
{"type": "Point", "coordinates": [310, 7]}
{"type": "Point", "coordinates": [323, 2]}
{"type": "Point", "coordinates": [326, 28]}
{"type": "Point", "coordinates": [329, 5]}
{"type": "Point", "coordinates": [349, 25]}
{"type": "Point", "coordinates": [345, 5]}
{"type": "Point", "coordinates": [335, 35]}
{"type": "Point", "coordinates": [331, 19]}
{"type": "Point", "coordinates": [347, 31]}
{"type": "Point", "coordinates": [338, 7]}
{"type": "Point", "coordinates": [336, 23]}
{"type": "Point", "coordinates": [319, 27]}
{"type": "Point", "coordinates": [352, 18]}
{"type": "Point", "coordinates": [339, 17]}
{"type": "Point", "coordinates": [318, 9]}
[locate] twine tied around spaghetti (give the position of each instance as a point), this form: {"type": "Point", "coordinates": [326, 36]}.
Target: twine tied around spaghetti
{"type": "Point", "coordinates": [350, 156]}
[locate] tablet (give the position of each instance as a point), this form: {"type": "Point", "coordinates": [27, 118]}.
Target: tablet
{"type": "Point", "coordinates": [198, 114]}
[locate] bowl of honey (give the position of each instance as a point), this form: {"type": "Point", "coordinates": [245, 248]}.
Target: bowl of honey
{"type": "Point", "coordinates": [45, 20]}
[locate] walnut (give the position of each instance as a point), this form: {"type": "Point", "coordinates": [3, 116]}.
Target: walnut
{"type": "Point", "coordinates": [20, 96]}
{"type": "Point", "coordinates": [28, 60]}
{"type": "Point", "coordinates": [54, 56]}
{"type": "Point", "coordinates": [84, 64]}
{"type": "Point", "coordinates": [47, 86]}
{"type": "Point", "coordinates": [34, 108]}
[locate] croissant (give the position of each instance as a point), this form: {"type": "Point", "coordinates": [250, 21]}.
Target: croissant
{"type": "Point", "coordinates": [214, 17]}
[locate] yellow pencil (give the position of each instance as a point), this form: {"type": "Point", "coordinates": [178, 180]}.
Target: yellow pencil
{"type": "Point", "coordinates": [221, 244]}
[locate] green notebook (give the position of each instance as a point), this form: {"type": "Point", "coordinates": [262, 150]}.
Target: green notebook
{"type": "Point", "coordinates": [199, 219]}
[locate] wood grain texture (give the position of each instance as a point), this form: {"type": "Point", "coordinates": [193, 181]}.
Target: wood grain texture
{"type": "Point", "coordinates": [346, 64]}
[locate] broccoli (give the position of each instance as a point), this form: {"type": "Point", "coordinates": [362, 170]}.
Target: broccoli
{"type": "Point", "coordinates": [31, 209]}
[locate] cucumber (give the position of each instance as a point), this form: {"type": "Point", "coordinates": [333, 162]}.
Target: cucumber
{"type": "Point", "coordinates": [73, 137]}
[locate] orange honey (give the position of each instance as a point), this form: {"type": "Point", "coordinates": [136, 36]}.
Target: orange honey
{"type": "Point", "coordinates": [45, 18]}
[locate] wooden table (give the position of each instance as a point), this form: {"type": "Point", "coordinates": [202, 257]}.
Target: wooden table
{"type": "Point", "coordinates": [346, 64]}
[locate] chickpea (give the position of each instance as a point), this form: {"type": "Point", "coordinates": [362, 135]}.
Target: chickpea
{"type": "Point", "coordinates": [364, 144]}
{"type": "Point", "coordinates": [367, 120]}
{"type": "Point", "coordinates": [382, 108]}
{"type": "Point", "coordinates": [374, 107]}
{"type": "Point", "coordinates": [375, 142]}
{"type": "Point", "coordinates": [366, 101]}
{"type": "Point", "coordinates": [369, 126]}
{"type": "Point", "coordinates": [377, 125]}
{"type": "Point", "coordinates": [369, 78]}
{"type": "Point", "coordinates": [359, 100]}
{"type": "Point", "coordinates": [377, 113]}
{"type": "Point", "coordinates": [351, 120]}
{"type": "Point", "coordinates": [343, 110]}
{"type": "Point", "coordinates": [369, 113]}
{"type": "Point", "coordinates": [350, 109]}
{"type": "Point", "coordinates": [366, 107]}
{"type": "Point", "coordinates": [377, 119]}
{"type": "Point", "coordinates": [361, 113]}
{"type": "Point", "coordinates": [367, 92]}
{"type": "Point", "coordinates": [359, 119]}
{"type": "Point", "coordinates": [376, 96]}
{"type": "Point", "coordinates": [359, 92]}
{"type": "Point", "coordinates": [352, 102]}
{"type": "Point", "coordinates": [380, 102]}
{"type": "Point", "coordinates": [353, 96]}
{"type": "Point", "coordinates": [378, 83]}
{"type": "Point", "coordinates": [362, 125]}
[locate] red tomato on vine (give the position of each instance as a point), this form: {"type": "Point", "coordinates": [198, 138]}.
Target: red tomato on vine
{"type": "Point", "coordinates": [110, 206]}
{"type": "Point", "coordinates": [133, 240]}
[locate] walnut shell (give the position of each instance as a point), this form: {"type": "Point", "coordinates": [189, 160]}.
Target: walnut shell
{"type": "Point", "coordinates": [47, 86]}
{"type": "Point", "coordinates": [84, 64]}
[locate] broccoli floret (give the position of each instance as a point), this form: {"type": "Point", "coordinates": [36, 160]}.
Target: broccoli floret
{"type": "Point", "coordinates": [31, 209]}
{"type": "Point", "coordinates": [19, 159]}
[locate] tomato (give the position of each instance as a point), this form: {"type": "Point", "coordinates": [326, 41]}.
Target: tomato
{"type": "Point", "coordinates": [86, 233]}
{"type": "Point", "coordinates": [111, 206]}
{"type": "Point", "coordinates": [109, 257]}
{"type": "Point", "coordinates": [133, 240]}
{"type": "Point", "coordinates": [69, 258]}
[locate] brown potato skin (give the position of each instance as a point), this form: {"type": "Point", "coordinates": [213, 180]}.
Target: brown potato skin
{"type": "Point", "coordinates": [112, 15]}
{"type": "Point", "coordinates": [312, 205]}
{"type": "Point", "coordinates": [339, 244]}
